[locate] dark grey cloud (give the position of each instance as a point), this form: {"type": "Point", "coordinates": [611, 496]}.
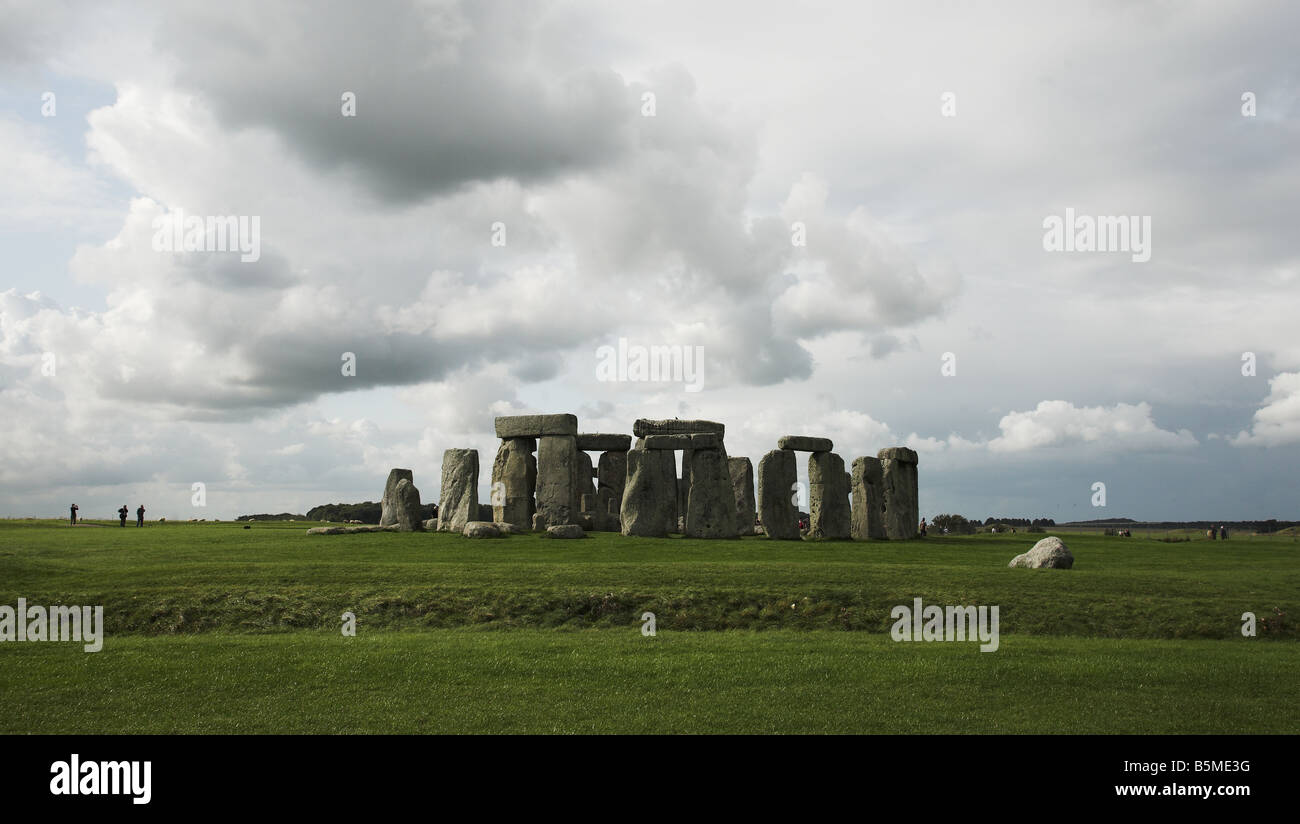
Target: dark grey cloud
{"type": "Point", "coordinates": [446, 93]}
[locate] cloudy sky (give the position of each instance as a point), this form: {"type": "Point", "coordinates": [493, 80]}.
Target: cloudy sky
{"type": "Point", "coordinates": [842, 205]}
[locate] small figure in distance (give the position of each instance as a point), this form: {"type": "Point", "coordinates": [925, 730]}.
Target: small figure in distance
{"type": "Point", "coordinates": [139, 516]}
{"type": "Point", "coordinates": [921, 528]}
{"type": "Point", "coordinates": [74, 514]}
{"type": "Point", "coordinates": [1223, 532]}
{"type": "Point", "coordinates": [122, 513]}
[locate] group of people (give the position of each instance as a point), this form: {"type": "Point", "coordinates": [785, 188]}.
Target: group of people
{"type": "Point", "coordinates": [121, 515]}
{"type": "Point", "coordinates": [1223, 533]}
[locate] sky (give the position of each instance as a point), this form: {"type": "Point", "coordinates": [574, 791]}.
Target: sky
{"type": "Point", "coordinates": [842, 210]}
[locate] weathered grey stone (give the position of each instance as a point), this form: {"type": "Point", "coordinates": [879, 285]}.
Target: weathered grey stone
{"type": "Point", "coordinates": [682, 441]}
{"type": "Point", "coordinates": [458, 503]}
{"type": "Point", "coordinates": [902, 508]}
{"type": "Point", "coordinates": [557, 479]}
{"type": "Point", "coordinates": [584, 477]}
{"type": "Point", "coordinates": [1049, 553]}
{"type": "Point", "coordinates": [742, 491]}
{"type": "Point", "coordinates": [607, 506]}
{"type": "Point", "coordinates": [515, 469]}
{"type": "Point", "coordinates": [387, 510]}
{"type": "Point", "coordinates": [803, 443]}
{"type": "Point", "coordinates": [642, 427]}
{"type": "Point", "coordinates": [611, 472]}
{"type": "Point", "coordinates": [481, 529]}
{"type": "Point", "coordinates": [710, 504]}
{"type": "Point", "coordinates": [897, 453]}
{"type": "Point", "coordinates": [539, 522]}
{"type": "Point", "coordinates": [706, 440]}
{"type": "Point", "coordinates": [587, 504]}
{"type": "Point", "coordinates": [604, 442]}
{"type": "Point", "coordinates": [535, 426]}
{"type": "Point", "coordinates": [868, 517]}
{"type": "Point", "coordinates": [564, 531]}
{"type": "Point", "coordinates": [587, 522]}
{"type": "Point", "coordinates": [828, 497]}
{"type": "Point", "coordinates": [508, 528]}
{"type": "Point", "coordinates": [641, 511]}
{"type": "Point", "coordinates": [431, 525]}
{"type": "Point", "coordinates": [777, 476]}
{"type": "Point", "coordinates": [407, 514]}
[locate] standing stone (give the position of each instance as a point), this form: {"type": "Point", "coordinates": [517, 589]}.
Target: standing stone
{"type": "Point", "coordinates": [641, 512]}
{"type": "Point", "coordinates": [388, 505]}
{"type": "Point", "coordinates": [406, 512]}
{"type": "Point", "coordinates": [611, 472]}
{"type": "Point", "coordinates": [515, 469]}
{"type": "Point", "coordinates": [777, 476]}
{"type": "Point", "coordinates": [710, 504]}
{"type": "Point", "coordinates": [557, 479]}
{"type": "Point", "coordinates": [458, 503]}
{"type": "Point", "coordinates": [902, 502]}
{"type": "Point", "coordinates": [742, 490]}
{"type": "Point", "coordinates": [868, 518]}
{"type": "Point", "coordinates": [607, 506]}
{"type": "Point", "coordinates": [828, 497]}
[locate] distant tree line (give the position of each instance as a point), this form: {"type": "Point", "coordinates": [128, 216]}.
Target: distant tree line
{"type": "Point", "coordinates": [283, 516]}
{"type": "Point", "coordinates": [1020, 521]}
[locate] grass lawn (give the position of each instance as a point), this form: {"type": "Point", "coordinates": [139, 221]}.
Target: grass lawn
{"type": "Point", "coordinates": [215, 628]}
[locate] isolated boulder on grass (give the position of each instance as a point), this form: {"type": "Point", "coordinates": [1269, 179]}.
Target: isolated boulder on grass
{"type": "Point", "coordinates": [481, 529]}
{"type": "Point", "coordinates": [1049, 553]}
{"type": "Point", "coordinates": [565, 531]}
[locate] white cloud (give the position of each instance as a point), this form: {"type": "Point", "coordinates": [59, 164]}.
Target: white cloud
{"type": "Point", "coordinates": [1277, 422]}
{"type": "Point", "coordinates": [1055, 424]}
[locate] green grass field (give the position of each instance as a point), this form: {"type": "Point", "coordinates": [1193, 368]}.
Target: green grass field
{"type": "Point", "coordinates": [215, 628]}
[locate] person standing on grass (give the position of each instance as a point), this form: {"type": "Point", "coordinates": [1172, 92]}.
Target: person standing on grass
{"type": "Point", "coordinates": [139, 516]}
{"type": "Point", "coordinates": [74, 514]}
{"type": "Point", "coordinates": [921, 528]}
{"type": "Point", "coordinates": [122, 513]}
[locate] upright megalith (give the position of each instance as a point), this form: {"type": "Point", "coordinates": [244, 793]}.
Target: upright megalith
{"type": "Point", "coordinates": [514, 482]}
{"type": "Point", "coordinates": [868, 518]}
{"type": "Point", "coordinates": [642, 512]}
{"type": "Point", "coordinates": [901, 495]}
{"type": "Point", "coordinates": [828, 497]}
{"type": "Point", "coordinates": [742, 491]}
{"type": "Point", "coordinates": [777, 478]}
{"type": "Point", "coordinates": [710, 504]}
{"type": "Point", "coordinates": [388, 504]}
{"type": "Point", "coordinates": [611, 472]}
{"type": "Point", "coordinates": [458, 501]}
{"type": "Point", "coordinates": [406, 511]}
{"type": "Point", "coordinates": [557, 479]}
